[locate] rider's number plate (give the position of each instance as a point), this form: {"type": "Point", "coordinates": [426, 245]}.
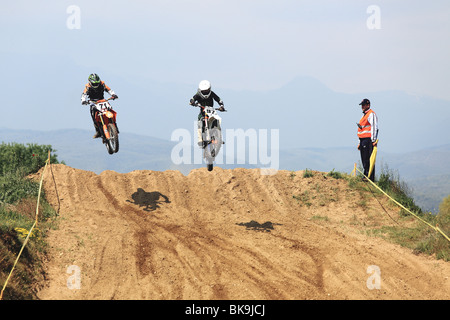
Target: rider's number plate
{"type": "Point", "coordinates": [103, 105]}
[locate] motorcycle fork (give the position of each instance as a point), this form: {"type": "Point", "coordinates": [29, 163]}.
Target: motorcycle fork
{"type": "Point", "coordinates": [207, 133]}
{"type": "Point", "coordinates": [105, 128]}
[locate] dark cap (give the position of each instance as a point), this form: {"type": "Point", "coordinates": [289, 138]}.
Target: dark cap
{"type": "Point", "coordinates": [364, 102]}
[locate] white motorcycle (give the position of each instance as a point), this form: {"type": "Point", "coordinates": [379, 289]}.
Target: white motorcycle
{"type": "Point", "coordinates": [211, 135]}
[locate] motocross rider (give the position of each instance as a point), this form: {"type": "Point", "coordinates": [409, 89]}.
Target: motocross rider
{"type": "Point", "coordinates": [94, 91]}
{"type": "Point", "coordinates": [205, 97]}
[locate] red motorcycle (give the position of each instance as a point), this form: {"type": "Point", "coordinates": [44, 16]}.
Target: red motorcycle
{"type": "Point", "coordinates": [105, 117]}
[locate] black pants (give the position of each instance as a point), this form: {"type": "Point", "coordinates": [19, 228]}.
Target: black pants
{"type": "Point", "coordinates": [93, 111]}
{"type": "Point", "coordinates": [366, 148]}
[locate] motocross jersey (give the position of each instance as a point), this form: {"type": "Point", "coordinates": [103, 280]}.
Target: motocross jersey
{"type": "Point", "coordinates": [209, 102]}
{"type": "Point", "coordinates": [95, 93]}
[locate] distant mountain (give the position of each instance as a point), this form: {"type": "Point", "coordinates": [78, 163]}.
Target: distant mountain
{"type": "Point", "coordinates": [309, 114]}
{"type": "Point", "coordinates": [429, 191]}
{"type": "Point", "coordinates": [78, 149]}
{"type": "Point", "coordinates": [306, 112]}
{"type": "Point", "coordinates": [427, 171]}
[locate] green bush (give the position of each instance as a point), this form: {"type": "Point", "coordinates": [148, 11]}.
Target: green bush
{"type": "Point", "coordinates": [18, 199]}
{"type": "Point", "coordinates": [13, 187]}
{"type": "Point", "coordinates": [335, 174]}
{"type": "Point", "coordinates": [307, 173]}
{"type": "Point", "coordinates": [28, 159]}
{"type": "Point", "coordinates": [443, 218]}
{"type": "Point", "coordinates": [434, 242]}
{"type": "Point", "coordinates": [444, 207]}
{"type": "Point", "coordinates": [390, 182]}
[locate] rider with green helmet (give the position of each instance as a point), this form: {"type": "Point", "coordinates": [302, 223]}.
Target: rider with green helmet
{"type": "Point", "coordinates": [94, 91]}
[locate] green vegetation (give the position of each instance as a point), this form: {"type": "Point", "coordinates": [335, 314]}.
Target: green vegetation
{"type": "Point", "coordinates": [410, 232]}
{"type": "Point", "coordinates": [335, 174]}
{"type": "Point", "coordinates": [304, 198]}
{"type": "Point", "coordinates": [292, 175]}
{"type": "Point", "coordinates": [308, 173]}
{"type": "Point", "coordinates": [18, 199]}
{"type": "Point", "coordinates": [390, 183]}
{"type": "Point", "coordinates": [27, 159]}
{"type": "Point", "coordinates": [419, 237]}
{"type": "Point", "coordinates": [423, 239]}
{"type": "Point", "coordinates": [319, 217]}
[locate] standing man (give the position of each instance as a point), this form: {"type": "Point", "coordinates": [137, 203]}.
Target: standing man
{"type": "Point", "coordinates": [368, 136]}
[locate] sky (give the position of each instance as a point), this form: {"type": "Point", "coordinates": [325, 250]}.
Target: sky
{"type": "Point", "coordinates": [255, 45]}
{"type": "Point", "coordinates": [49, 47]}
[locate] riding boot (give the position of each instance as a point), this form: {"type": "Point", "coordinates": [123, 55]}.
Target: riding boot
{"type": "Point", "coordinates": [200, 138]}
{"type": "Point", "coordinates": [97, 132]}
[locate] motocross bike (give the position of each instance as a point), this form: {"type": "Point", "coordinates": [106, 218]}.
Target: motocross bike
{"type": "Point", "coordinates": [211, 134]}
{"type": "Point", "coordinates": [105, 117]}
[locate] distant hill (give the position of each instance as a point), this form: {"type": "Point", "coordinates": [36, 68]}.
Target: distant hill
{"type": "Point", "coordinates": [427, 171]}
{"type": "Point", "coordinates": [429, 191]}
{"type": "Point", "coordinates": [307, 112]}
{"type": "Point", "coordinates": [78, 149]}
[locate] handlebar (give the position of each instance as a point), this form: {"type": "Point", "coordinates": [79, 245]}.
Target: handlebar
{"type": "Point", "coordinates": [102, 100]}
{"type": "Point", "coordinates": [203, 107]}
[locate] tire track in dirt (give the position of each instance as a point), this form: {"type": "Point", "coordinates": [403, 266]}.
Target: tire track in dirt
{"type": "Point", "coordinates": [162, 235]}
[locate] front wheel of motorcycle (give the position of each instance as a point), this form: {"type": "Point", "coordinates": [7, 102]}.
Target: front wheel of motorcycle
{"type": "Point", "coordinates": [113, 142]}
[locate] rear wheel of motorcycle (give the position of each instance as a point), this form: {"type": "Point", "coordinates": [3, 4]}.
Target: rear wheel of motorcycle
{"type": "Point", "coordinates": [113, 141]}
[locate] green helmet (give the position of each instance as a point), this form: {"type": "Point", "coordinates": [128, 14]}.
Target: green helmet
{"type": "Point", "coordinates": [94, 80]}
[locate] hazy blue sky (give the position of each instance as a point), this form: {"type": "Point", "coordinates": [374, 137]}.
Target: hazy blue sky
{"type": "Point", "coordinates": [243, 44]}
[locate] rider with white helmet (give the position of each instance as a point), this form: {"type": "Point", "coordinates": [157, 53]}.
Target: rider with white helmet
{"type": "Point", "coordinates": [205, 97]}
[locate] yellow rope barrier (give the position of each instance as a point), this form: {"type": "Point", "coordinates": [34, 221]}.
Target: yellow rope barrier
{"type": "Point", "coordinates": [31, 230]}
{"type": "Point", "coordinates": [436, 228]}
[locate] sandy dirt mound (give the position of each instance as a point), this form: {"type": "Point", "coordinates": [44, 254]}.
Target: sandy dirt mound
{"type": "Point", "coordinates": [226, 234]}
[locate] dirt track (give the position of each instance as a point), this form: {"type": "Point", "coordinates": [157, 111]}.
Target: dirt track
{"type": "Point", "coordinates": [226, 234]}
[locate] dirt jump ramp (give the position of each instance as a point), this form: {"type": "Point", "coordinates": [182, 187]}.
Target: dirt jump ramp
{"type": "Point", "coordinates": [226, 234]}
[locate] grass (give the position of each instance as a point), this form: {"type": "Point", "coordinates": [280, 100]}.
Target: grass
{"type": "Point", "coordinates": [415, 235]}
{"type": "Point", "coordinates": [304, 198]}
{"type": "Point", "coordinates": [389, 181]}
{"type": "Point", "coordinates": [18, 200]}
{"type": "Point", "coordinates": [427, 240]}
{"type": "Point", "coordinates": [419, 237]}
{"type": "Point", "coordinates": [335, 174]}
{"type": "Point", "coordinates": [308, 173]}
{"type": "Point", "coordinates": [319, 217]}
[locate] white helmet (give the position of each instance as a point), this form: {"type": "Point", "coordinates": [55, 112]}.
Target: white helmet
{"type": "Point", "coordinates": [204, 89]}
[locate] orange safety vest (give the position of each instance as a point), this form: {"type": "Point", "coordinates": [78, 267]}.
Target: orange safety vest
{"type": "Point", "coordinates": [365, 128]}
